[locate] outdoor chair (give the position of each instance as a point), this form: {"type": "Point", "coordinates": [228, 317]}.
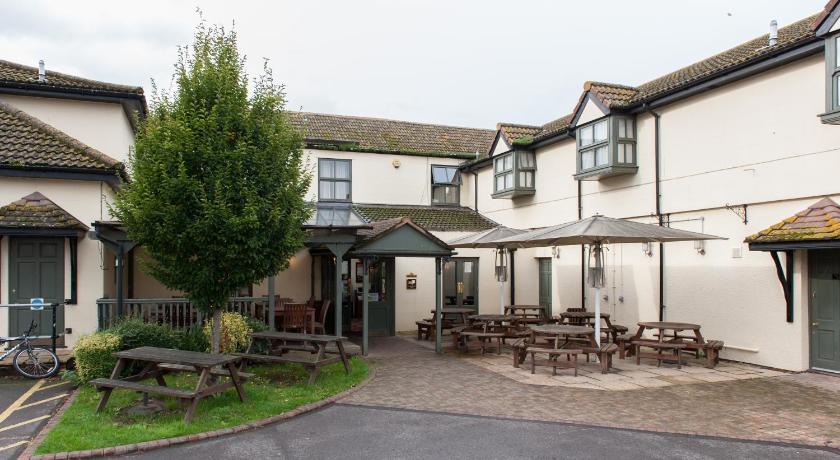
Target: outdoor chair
{"type": "Point", "coordinates": [294, 317]}
{"type": "Point", "coordinates": [322, 318]}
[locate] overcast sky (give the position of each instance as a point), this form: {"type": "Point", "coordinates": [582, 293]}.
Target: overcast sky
{"type": "Point", "coordinates": [469, 63]}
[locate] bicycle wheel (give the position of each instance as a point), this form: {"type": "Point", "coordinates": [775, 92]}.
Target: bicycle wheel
{"type": "Point", "coordinates": [36, 363]}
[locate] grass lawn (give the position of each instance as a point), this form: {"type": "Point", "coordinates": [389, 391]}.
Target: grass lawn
{"type": "Point", "coordinates": [274, 390]}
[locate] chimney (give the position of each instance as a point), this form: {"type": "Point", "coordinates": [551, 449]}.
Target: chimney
{"type": "Point", "coordinates": [774, 33]}
{"type": "Point", "coordinates": [42, 71]}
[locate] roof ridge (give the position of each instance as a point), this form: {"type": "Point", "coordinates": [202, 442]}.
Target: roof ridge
{"type": "Point", "coordinates": [61, 136]}
{"type": "Point", "coordinates": [589, 84]}
{"type": "Point", "coordinates": [124, 88]}
{"type": "Point", "coordinates": [358, 117]}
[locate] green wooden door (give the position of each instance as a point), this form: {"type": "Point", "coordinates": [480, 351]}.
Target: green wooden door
{"type": "Point", "coordinates": [36, 269]}
{"type": "Point", "coordinates": [545, 283]}
{"type": "Point", "coordinates": [824, 278]}
{"type": "Point", "coordinates": [460, 283]}
{"type": "Point", "coordinates": [381, 298]}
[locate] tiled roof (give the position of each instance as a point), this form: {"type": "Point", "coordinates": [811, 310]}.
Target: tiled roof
{"type": "Point", "coordinates": [611, 94]}
{"type": "Point", "coordinates": [14, 73]}
{"type": "Point", "coordinates": [820, 221]}
{"type": "Point", "coordinates": [35, 211]}
{"type": "Point", "coordinates": [432, 218]}
{"type": "Point", "coordinates": [390, 136]}
{"type": "Point", "coordinates": [26, 141]}
{"type": "Point", "coordinates": [513, 132]}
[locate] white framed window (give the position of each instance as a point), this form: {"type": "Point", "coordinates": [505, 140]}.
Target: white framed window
{"type": "Point", "coordinates": [334, 180]}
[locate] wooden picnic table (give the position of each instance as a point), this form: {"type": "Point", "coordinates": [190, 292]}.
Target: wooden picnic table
{"type": "Point", "coordinates": [577, 337]}
{"type": "Point", "coordinates": [675, 342]}
{"type": "Point", "coordinates": [532, 314]}
{"type": "Point", "coordinates": [310, 317]}
{"type": "Point", "coordinates": [281, 342]}
{"type": "Point", "coordinates": [160, 361]}
{"type": "Point", "coordinates": [461, 313]}
{"type": "Point", "coordinates": [588, 318]}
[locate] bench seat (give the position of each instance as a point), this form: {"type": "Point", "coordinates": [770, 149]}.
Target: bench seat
{"type": "Point", "coordinates": [180, 393]}
{"type": "Point", "coordinates": [425, 329]}
{"type": "Point", "coordinates": [552, 362]}
{"type": "Point", "coordinates": [676, 349]}
{"type": "Point", "coordinates": [483, 339]}
{"type": "Point", "coordinates": [217, 371]}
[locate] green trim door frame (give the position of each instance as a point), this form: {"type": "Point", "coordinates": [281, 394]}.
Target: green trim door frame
{"type": "Point", "coordinates": [381, 293]}
{"type": "Point", "coordinates": [544, 273]}
{"type": "Point", "coordinates": [36, 269]}
{"type": "Point", "coordinates": [824, 306]}
{"type": "Point", "coordinates": [460, 282]}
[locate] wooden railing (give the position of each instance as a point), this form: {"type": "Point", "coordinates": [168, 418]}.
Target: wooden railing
{"type": "Point", "coordinates": [178, 313]}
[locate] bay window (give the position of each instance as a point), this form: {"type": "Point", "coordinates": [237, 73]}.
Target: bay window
{"type": "Point", "coordinates": [514, 174]}
{"type": "Point", "coordinates": [606, 147]}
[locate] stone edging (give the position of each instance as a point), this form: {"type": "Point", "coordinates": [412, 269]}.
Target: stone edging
{"type": "Point", "coordinates": [159, 443]}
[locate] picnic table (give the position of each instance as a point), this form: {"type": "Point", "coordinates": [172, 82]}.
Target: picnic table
{"type": "Point", "coordinates": [160, 361]}
{"type": "Point", "coordinates": [461, 313]}
{"type": "Point", "coordinates": [531, 314]}
{"type": "Point", "coordinates": [281, 342]}
{"type": "Point", "coordinates": [588, 318]}
{"type": "Point", "coordinates": [577, 337]}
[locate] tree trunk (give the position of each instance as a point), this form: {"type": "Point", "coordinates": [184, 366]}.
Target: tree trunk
{"type": "Point", "coordinates": [216, 332]}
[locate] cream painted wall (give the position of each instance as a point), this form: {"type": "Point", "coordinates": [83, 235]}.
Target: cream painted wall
{"type": "Point", "coordinates": [85, 200]}
{"type": "Point", "coordinates": [101, 125]}
{"type": "Point", "coordinates": [376, 180]}
{"type": "Point", "coordinates": [590, 112]}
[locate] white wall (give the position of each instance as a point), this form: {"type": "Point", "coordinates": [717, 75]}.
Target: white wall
{"type": "Point", "coordinates": [101, 125]}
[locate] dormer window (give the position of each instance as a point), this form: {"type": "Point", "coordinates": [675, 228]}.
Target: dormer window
{"type": "Point", "coordinates": [446, 185]}
{"type": "Point", "coordinates": [832, 83]}
{"type": "Point", "coordinates": [514, 174]}
{"type": "Point", "coordinates": [606, 147]}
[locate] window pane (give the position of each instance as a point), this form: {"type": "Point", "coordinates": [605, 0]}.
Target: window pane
{"type": "Point", "coordinates": [837, 90]}
{"type": "Point", "coordinates": [452, 195]}
{"type": "Point", "coordinates": [438, 195]}
{"type": "Point", "coordinates": [508, 162]}
{"type": "Point", "coordinates": [498, 165]}
{"type": "Point", "coordinates": [622, 127]}
{"type": "Point", "coordinates": [326, 190]}
{"type": "Point", "coordinates": [629, 123]}
{"type": "Point", "coordinates": [601, 156]}
{"type": "Point", "coordinates": [621, 153]}
{"type": "Point", "coordinates": [327, 168]}
{"type": "Point", "coordinates": [342, 169]}
{"type": "Point", "coordinates": [600, 131]}
{"type": "Point", "coordinates": [585, 136]}
{"type": "Point", "coordinates": [526, 160]}
{"type": "Point", "coordinates": [587, 159]}
{"type": "Point", "coordinates": [629, 153]}
{"type": "Point", "coordinates": [500, 183]}
{"type": "Point", "coordinates": [837, 52]}
{"type": "Point", "coordinates": [439, 175]}
{"type": "Point", "coordinates": [342, 190]}
{"type": "Point", "coordinates": [508, 180]}
{"type": "Point", "coordinates": [526, 179]}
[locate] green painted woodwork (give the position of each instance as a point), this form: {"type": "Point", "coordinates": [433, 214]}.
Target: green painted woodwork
{"type": "Point", "coordinates": [381, 306]}
{"type": "Point", "coordinates": [460, 283]}
{"type": "Point", "coordinates": [36, 269]}
{"type": "Point", "coordinates": [405, 241]}
{"type": "Point", "coordinates": [824, 319]}
{"type": "Point", "coordinates": [522, 162]}
{"type": "Point", "coordinates": [621, 134]}
{"type": "Point", "coordinates": [545, 283]}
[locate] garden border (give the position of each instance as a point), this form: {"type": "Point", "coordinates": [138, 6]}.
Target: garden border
{"type": "Point", "coordinates": [159, 443]}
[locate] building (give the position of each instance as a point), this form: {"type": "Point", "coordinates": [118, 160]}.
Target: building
{"type": "Point", "coordinates": [730, 146]}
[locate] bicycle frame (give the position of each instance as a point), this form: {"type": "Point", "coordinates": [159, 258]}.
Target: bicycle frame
{"type": "Point", "coordinates": [24, 341]}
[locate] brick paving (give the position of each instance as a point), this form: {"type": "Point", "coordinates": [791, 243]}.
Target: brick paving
{"type": "Point", "coordinates": [799, 408]}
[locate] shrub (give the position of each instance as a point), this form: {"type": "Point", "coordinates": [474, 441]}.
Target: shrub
{"type": "Point", "coordinates": [93, 355]}
{"type": "Point", "coordinates": [135, 333]}
{"type": "Point", "coordinates": [235, 334]}
{"type": "Point", "coordinates": [192, 339]}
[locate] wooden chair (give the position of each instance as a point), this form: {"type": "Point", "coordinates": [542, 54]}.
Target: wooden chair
{"type": "Point", "coordinates": [576, 321]}
{"type": "Point", "coordinates": [294, 317]}
{"type": "Point", "coordinates": [320, 327]}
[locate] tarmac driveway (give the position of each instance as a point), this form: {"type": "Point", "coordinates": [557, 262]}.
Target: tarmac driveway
{"type": "Point", "coordinates": [350, 432]}
{"type": "Point", "coordinates": [25, 406]}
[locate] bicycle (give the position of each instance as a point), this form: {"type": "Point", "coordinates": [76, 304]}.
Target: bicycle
{"type": "Point", "coordinates": [29, 361]}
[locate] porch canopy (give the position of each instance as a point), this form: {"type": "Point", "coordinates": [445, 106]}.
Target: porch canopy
{"type": "Point", "coordinates": [334, 227]}
{"type": "Point", "coordinates": [815, 227]}
{"type": "Point", "coordinates": [343, 233]}
{"type": "Point", "coordinates": [597, 231]}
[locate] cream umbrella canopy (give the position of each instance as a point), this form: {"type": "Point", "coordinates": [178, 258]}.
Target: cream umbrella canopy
{"type": "Point", "coordinates": [489, 239]}
{"type": "Point", "coordinates": [596, 231]}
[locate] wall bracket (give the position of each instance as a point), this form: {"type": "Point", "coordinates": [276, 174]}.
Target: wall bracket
{"type": "Point", "coordinates": [739, 210]}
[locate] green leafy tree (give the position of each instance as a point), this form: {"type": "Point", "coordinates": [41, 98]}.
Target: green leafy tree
{"type": "Point", "coordinates": [218, 178]}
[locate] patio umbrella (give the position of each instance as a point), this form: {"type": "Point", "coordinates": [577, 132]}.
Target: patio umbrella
{"type": "Point", "coordinates": [597, 231]}
{"type": "Point", "coordinates": [489, 239]}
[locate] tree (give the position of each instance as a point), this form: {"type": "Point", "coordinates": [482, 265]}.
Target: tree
{"type": "Point", "coordinates": [218, 178]}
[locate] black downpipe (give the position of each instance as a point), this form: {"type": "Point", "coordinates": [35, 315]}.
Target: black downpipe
{"type": "Point", "coordinates": [475, 190]}
{"type": "Point", "coordinates": [658, 179]}
{"type": "Point", "coordinates": [512, 253]}
{"type": "Point", "coordinates": [582, 249]}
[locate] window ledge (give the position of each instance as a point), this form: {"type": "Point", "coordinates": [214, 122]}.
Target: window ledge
{"type": "Point", "coordinates": [606, 171]}
{"type": "Point", "coordinates": [517, 192]}
{"type": "Point", "coordinates": [830, 118]}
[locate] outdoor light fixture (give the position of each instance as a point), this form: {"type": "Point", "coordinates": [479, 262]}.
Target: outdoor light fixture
{"type": "Point", "coordinates": [647, 249]}
{"type": "Point", "coordinates": [501, 265]}
{"type": "Point", "coordinates": [700, 247]}
{"type": "Point", "coordinates": [555, 251]}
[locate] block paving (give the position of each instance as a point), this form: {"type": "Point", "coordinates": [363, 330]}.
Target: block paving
{"type": "Point", "coordinates": [797, 408]}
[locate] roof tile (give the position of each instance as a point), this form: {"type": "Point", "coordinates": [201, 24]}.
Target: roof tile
{"type": "Point", "coordinates": [820, 221]}
{"type": "Point", "coordinates": [11, 72]}
{"type": "Point", "coordinates": [35, 211]}
{"type": "Point", "coordinates": [432, 218]}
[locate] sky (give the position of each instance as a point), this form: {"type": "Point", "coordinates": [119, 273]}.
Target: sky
{"type": "Point", "coordinates": [457, 62]}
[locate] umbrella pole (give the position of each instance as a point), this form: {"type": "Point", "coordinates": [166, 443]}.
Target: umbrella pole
{"type": "Point", "coordinates": [501, 297]}
{"type": "Point", "coordinates": [598, 316]}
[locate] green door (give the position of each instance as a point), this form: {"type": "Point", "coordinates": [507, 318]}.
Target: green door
{"type": "Point", "coordinates": [824, 274]}
{"type": "Point", "coordinates": [545, 283]}
{"type": "Point", "coordinates": [36, 269]}
{"type": "Point", "coordinates": [381, 298]}
{"type": "Point", "coordinates": [460, 283]}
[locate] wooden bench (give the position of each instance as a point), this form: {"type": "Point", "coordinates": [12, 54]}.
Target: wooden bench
{"type": "Point", "coordinates": [624, 345]}
{"type": "Point", "coordinates": [483, 339]}
{"type": "Point", "coordinates": [425, 329]}
{"type": "Point", "coordinates": [103, 384]}
{"type": "Point", "coordinates": [676, 349]}
{"type": "Point", "coordinates": [216, 371]}
{"type": "Point", "coordinates": [552, 361]}
{"type": "Point", "coordinates": [312, 366]}
{"type": "Point", "coordinates": [312, 363]}
{"type": "Point", "coordinates": [712, 350]}
{"type": "Point", "coordinates": [604, 353]}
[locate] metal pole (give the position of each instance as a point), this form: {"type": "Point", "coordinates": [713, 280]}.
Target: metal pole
{"type": "Point", "coordinates": [338, 294]}
{"type": "Point", "coordinates": [54, 315]}
{"type": "Point", "coordinates": [598, 316]}
{"type": "Point", "coordinates": [271, 303]}
{"type": "Point", "coordinates": [365, 289]}
{"type": "Point", "coordinates": [120, 260]}
{"type": "Point", "coordinates": [438, 316]}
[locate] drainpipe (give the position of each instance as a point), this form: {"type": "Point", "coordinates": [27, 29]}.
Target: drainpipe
{"type": "Point", "coordinates": [582, 248]}
{"type": "Point", "coordinates": [658, 179]}
{"type": "Point", "coordinates": [475, 190]}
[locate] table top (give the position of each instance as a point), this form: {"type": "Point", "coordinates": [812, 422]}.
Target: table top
{"type": "Point", "coordinates": [455, 310]}
{"type": "Point", "coordinates": [562, 329]}
{"type": "Point", "coordinates": [670, 325]}
{"type": "Point", "coordinates": [582, 314]}
{"type": "Point", "coordinates": [489, 317]}
{"type": "Point", "coordinates": [524, 307]}
{"type": "Point", "coordinates": [297, 336]}
{"type": "Point", "coordinates": [279, 309]}
{"type": "Point", "coordinates": [168, 355]}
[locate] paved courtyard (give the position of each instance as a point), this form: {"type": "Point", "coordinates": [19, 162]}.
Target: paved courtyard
{"type": "Point", "coordinates": [795, 408]}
